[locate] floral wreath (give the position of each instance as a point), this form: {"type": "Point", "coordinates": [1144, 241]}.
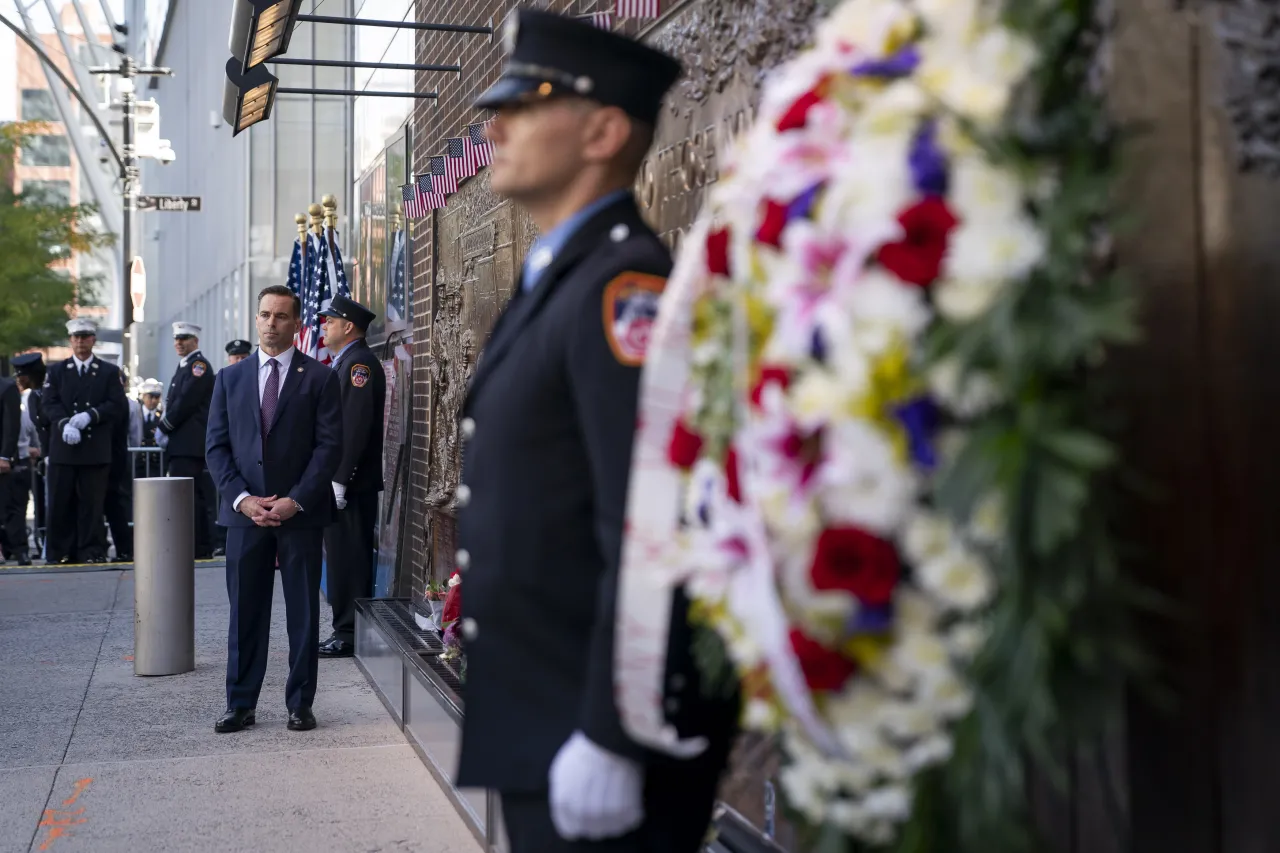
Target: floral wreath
{"type": "Point", "coordinates": [893, 504]}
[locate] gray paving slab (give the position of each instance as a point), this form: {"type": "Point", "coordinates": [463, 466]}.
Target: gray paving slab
{"type": "Point", "coordinates": [57, 593]}
{"type": "Point", "coordinates": [211, 588]}
{"type": "Point", "coordinates": [23, 793]}
{"type": "Point", "coordinates": [261, 801]}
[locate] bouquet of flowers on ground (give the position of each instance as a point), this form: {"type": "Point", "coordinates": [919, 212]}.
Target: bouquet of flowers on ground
{"type": "Point", "coordinates": [886, 467]}
{"type": "Point", "coordinates": [449, 618]}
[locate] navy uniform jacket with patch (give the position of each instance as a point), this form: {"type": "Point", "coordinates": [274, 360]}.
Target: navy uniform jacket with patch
{"type": "Point", "coordinates": [99, 393]}
{"type": "Point", "coordinates": [552, 410]}
{"type": "Point", "coordinates": [186, 408]}
{"type": "Point", "coordinates": [364, 393]}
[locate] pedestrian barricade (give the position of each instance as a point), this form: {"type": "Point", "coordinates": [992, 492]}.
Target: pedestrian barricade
{"type": "Point", "coordinates": [146, 462]}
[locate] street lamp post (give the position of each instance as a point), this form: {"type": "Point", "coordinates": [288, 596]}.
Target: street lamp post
{"type": "Point", "coordinates": [128, 70]}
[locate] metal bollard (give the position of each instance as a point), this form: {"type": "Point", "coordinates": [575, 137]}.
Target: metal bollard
{"type": "Point", "coordinates": [164, 576]}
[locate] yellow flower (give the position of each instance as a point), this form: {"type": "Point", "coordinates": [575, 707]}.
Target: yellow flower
{"type": "Point", "coordinates": [868, 651]}
{"type": "Point", "coordinates": [892, 382]}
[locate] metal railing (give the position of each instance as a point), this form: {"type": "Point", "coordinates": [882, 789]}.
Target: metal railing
{"type": "Point", "coordinates": [152, 459]}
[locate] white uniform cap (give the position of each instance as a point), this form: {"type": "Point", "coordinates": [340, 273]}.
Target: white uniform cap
{"type": "Point", "coordinates": [152, 386]}
{"type": "Point", "coordinates": [180, 329]}
{"type": "Point", "coordinates": [80, 325]}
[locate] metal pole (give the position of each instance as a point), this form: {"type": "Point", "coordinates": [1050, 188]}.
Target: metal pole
{"type": "Point", "coordinates": [356, 92]}
{"type": "Point", "coordinates": [164, 576]}
{"type": "Point", "coordinates": [398, 25]}
{"type": "Point", "coordinates": [343, 63]}
{"type": "Point", "coordinates": [128, 71]}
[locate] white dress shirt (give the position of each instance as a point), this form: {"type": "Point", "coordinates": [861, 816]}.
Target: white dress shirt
{"type": "Point", "coordinates": [82, 366]}
{"type": "Point", "coordinates": [284, 359]}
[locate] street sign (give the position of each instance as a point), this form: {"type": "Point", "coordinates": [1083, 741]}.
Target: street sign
{"type": "Point", "coordinates": [178, 203]}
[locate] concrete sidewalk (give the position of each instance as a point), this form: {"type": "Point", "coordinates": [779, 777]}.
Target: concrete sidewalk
{"type": "Point", "coordinates": [96, 760]}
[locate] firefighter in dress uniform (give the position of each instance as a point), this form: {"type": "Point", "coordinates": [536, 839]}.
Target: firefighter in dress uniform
{"type": "Point", "coordinates": [29, 369]}
{"type": "Point", "coordinates": [13, 528]}
{"type": "Point", "coordinates": [151, 391]}
{"type": "Point", "coordinates": [182, 428]}
{"type": "Point", "coordinates": [237, 351]}
{"type": "Point", "coordinates": [549, 422]}
{"type": "Point", "coordinates": [84, 403]}
{"type": "Point", "coordinates": [349, 542]}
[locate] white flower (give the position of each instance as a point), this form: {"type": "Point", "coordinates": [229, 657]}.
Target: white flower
{"type": "Point", "coordinates": [760, 716]}
{"type": "Point", "coordinates": [946, 696]}
{"type": "Point", "coordinates": [987, 524]}
{"type": "Point", "coordinates": [895, 110]}
{"type": "Point", "coordinates": [862, 483]}
{"type": "Point", "coordinates": [958, 578]}
{"type": "Point", "coordinates": [955, 20]}
{"type": "Point", "coordinates": [927, 534]}
{"type": "Point", "coordinates": [966, 639]}
{"type": "Point", "coordinates": [994, 249]}
{"type": "Point", "coordinates": [801, 788]}
{"type": "Point", "coordinates": [851, 817]}
{"type": "Point", "coordinates": [960, 300]}
{"type": "Point", "coordinates": [929, 752]}
{"type": "Point", "coordinates": [1003, 56]}
{"type": "Point", "coordinates": [965, 393]}
{"type": "Point", "coordinates": [870, 26]}
{"type": "Point", "coordinates": [870, 187]}
{"type": "Point", "coordinates": [454, 580]}
{"type": "Point", "coordinates": [821, 397]}
{"type": "Point", "coordinates": [951, 79]}
{"type": "Point", "coordinates": [906, 720]}
{"type": "Point", "coordinates": [980, 189]}
{"type": "Point", "coordinates": [882, 310]}
{"type": "Point", "coordinates": [914, 658]}
{"type": "Point", "coordinates": [890, 803]}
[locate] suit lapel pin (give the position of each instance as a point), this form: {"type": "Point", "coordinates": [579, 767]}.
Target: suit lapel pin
{"type": "Point", "coordinates": [299, 369]}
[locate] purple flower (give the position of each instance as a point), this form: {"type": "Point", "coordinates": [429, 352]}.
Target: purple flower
{"type": "Point", "coordinates": [802, 205]}
{"type": "Point", "coordinates": [450, 637]}
{"type": "Point", "coordinates": [928, 163]}
{"type": "Point", "coordinates": [900, 64]}
{"type": "Point", "coordinates": [869, 620]}
{"type": "Point", "coordinates": [919, 418]}
{"type": "Point", "coordinates": [818, 347]}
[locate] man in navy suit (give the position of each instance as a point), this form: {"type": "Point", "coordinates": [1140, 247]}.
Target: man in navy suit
{"type": "Point", "coordinates": [273, 446]}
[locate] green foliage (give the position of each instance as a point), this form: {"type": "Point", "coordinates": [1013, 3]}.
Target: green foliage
{"type": "Point", "coordinates": [35, 231]}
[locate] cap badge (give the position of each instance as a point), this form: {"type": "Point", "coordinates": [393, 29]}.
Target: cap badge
{"type": "Point", "coordinates": [583, 85]}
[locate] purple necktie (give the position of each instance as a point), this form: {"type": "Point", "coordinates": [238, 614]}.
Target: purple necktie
{"type": "Point", "coordinates": [270, 396]}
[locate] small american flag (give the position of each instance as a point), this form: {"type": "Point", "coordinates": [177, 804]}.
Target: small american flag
{"type": "Point", "coordinates": [637, 8]}
{"type": "Point", "coordinates": [415, 206]}
{"type": "Point", "coordinates": [444, 182]}
{"type": "Point", "coordinates": [460, 162]}
{"type": "Point", "coordinates": [295, 268]}
{"type": "Point", "coordinates": [310, 262]}
{"type": "Point", "coordinates": [481, 148]}
{"type": "Point", "coordinates": [317, 293]}
{"type": "Point", "coordinates": [432, 198]}
{"type": "Point", "coordinates": [603, 20]}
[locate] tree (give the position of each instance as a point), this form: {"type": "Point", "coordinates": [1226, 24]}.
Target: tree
{"type": "Point", "coordinates": [38, 229]}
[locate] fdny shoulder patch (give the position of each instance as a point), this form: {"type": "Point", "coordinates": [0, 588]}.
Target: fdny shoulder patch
{"type": "Point", "coordinates": [198, 368]}
{"type": "Point", "coordinates": [359, 375]}
{"type": "Point", "coordinates": [630, 310]}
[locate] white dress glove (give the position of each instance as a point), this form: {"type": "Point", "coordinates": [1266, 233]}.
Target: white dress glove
{"type": "Point", "coordinates": [340, 495]}
{"type": "Point", "coordinates": [162, 440]}
{"type": "Point", "coordinates": [80, 420]}
{"type": "Point", "coordinates": [594, 793]}
{"type": "Point", "coordinates": [70, 435]}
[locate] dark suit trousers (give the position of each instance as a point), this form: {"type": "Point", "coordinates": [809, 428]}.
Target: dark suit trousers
{"type": "Point", "coordinates": [187, 466]}
{"type": "Point", "coordinates": [348, 547]}
{"type": "Point", "coordinates": [77, 494]}
{"type": "Point", "coordinates": [15, 488]}
{"type": "Point", "coordinates": [251, 559]}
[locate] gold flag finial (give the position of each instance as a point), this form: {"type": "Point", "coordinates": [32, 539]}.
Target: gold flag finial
{"type": "Point", "coordinates": [317, 217]}
{"type": "Point", "coordinates": [301, 221]}
{"type": "Point", "coordinates": [330, 203]}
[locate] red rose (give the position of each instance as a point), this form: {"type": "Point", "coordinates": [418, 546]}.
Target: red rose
{"type": "Point", "coordinates": [797, 115]}
{"type": "Point", "coordinates": [823, 668]}
{"type": "Point", "coordinates": [771, 226]}
{"type": "Point", "coordinates": [778, 375]}
{"type": "Point", "coordinates": [718, 252]}
{"type": "Point", "coordinates": [684, 447]}
{"type": "Point", "coordinates": [917, 257]}
{"type": "Point", "coordinates": [452, 605]}
{"type": "Point", "coordinates": [732, 484]}
{"type": "Point", "coordinates": [853, 560]}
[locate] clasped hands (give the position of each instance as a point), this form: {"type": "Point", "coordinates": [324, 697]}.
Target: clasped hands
{"type": "Point", "coordinates": [268, 512]}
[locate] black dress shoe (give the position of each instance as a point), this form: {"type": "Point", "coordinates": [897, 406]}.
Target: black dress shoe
{"type": "Point", "coordinates": [302, 720]}
{"type": "Point", "coordinates": [235, 719]}
{"type": "Point", "coordinates": [335, 648]}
